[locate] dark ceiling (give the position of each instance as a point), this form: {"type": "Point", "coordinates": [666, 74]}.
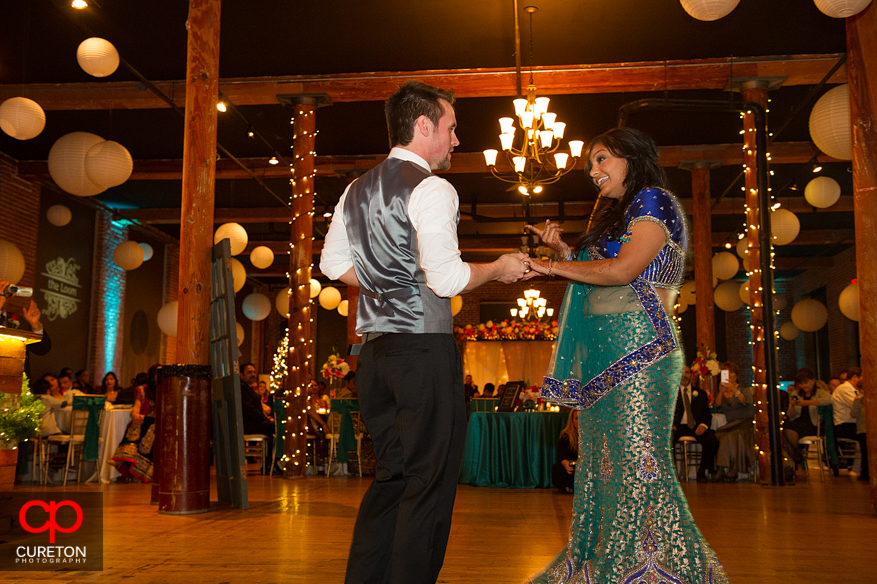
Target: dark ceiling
{"type": "Point", "coordinates": [38, 41]}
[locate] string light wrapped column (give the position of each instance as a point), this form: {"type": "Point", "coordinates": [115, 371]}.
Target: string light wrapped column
{"type": "Point", "coordinates": [862, 49]}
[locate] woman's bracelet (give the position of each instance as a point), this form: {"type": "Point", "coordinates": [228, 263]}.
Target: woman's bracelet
{"type": "Point", "coordinates": [550, 275]}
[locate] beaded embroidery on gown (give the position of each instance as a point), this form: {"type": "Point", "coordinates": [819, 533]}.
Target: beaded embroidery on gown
{"type": "Point", "coordinates": [619, 360]}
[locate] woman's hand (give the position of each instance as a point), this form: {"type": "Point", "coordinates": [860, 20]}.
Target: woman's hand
{"type": "Point", "coordinates": [566, 465]}
{"type": "Point", "coordinates": [136, 418]}
{"type": "Point", "coordinates": [551, 236]}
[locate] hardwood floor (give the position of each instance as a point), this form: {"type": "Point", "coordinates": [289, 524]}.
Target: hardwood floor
{"type": "Point", "coordinates": [299, 531]}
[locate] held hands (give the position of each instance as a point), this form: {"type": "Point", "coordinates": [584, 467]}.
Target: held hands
{"type": "Point", "coordinates": [551, 236]}
{"type": "Point", "coordinates": [512, 267]}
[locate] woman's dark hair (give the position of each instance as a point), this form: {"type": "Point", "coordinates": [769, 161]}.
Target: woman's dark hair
{"type": "Point", "coordinates": [41, 387]}
{"type": "Point", "coordinates": [489, 388]}
{"type": "Point", "coordinates": [804, 374]}
{"type": "Point", "coordinates": [412, 100]}
{"type": "Point", "coordinates": [103, 383]}
{"type": "Point", "coordinates": [641, 154]}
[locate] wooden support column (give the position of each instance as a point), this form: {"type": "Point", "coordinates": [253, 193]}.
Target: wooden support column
{"type": "Point", "coordinates": [862, 49]}
{"type": "Point", "coordinates": [702, 241]}
{"type": "Point", "coordinates": [352, 337]}
{"type": "Point", "coordinates": [755, 90]}
{"type": "Point", "coordinates": [199, 171]}
{"type": "Point", "coordinates": [300, 364]}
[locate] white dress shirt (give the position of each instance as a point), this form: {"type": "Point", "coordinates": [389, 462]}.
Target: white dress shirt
{"type": "Point", "coordinates": [842, 401]}
{"type": "Point", "coordinates": [432, 210]}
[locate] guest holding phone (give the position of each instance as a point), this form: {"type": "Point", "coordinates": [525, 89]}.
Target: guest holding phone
{"type": "Point", "coordinates": [736, 435]}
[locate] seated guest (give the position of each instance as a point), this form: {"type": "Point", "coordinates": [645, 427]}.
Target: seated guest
{"type": "Point", "coordinates": [109, 387]}
{"type": "Point", "coordinates": [255, 420]}
{"type": "Point", "coordinates": [842, 402]}
{"type": "Point", "coordinates": [318, 408]}
{"type": "Point", "coordinates": [857, 412]}
{"type": "Point", "coordinates": [469, 390]}
{"type": "Point", "coordinates": [267, 399]}
{"type": "Point", "coordinates": [82, 382]}
{"type": "Point", "coordinates": [133, 457]}
{"type": "Point", "coordinates": [489, 390]}
{"type": "Point", "coordinates": [833, 383]}
{"type": "Point", "coordinates": [50, 395]}
{"type": "Point", "coordinates": [563, 471]}
{"type": "Point", "coordinates": [802, 417]}
{"type": "Point", "coordinates": [693, 418]}
{"type": "Point", "coordinates": [735, 437]}
{"type": "Point", "coordinates": [65, 382]}
{"type": "Point", "coordinates": [349, 389]}
{"type": "Point", "coordinates": [499, 390]}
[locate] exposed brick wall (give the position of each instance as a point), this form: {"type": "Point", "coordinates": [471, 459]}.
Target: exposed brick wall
{"type": "Point", "coordinates": [552, 290]}
{"type": "Point", "coordinates": [19, 215]}
{"type": "Point", "coordinates": [107, 299]}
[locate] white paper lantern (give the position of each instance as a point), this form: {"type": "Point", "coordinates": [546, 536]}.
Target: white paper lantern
{"type": "Point", "coordinates": [688, 292]}
{"type": "Point", "coordinates": [709, 9]}
{"type": "Point", "coordinates": [456, 305]}
{"type": "Point", "coordinates": [281, 303]}
{"type": "Point", "coordinates": [743, 248]}
{"type": "Point", "coordinates": [67, 163]}
{"type": "Point", "coordinates": [167, 318]}
{"type": "Point", "coordinates": [727, 296]}
{"type": "Point", "coordinates": [779, 301]}
{"type": "Point", "coordinates": [238, 275]}
{"type": "Point", "coordinates": [809, 315]}
{"type": "Point", "coordinates": [784, 226]}
{"type": "Point", "coordinates": [262, 257]}
{"type": "Point", "coordinates": [240, 331]}
{"type": "Point", "coordinates": [746, 264]}
{"type": "Point", "coordinates": [108, 164]}
{"type": "Point", "coordinates": [848, 302]}
{"type": "Point", "coordinates": [22, 118]}
{"type": "Point", "coordinates": [841, 8]}
{"type": "Point", "coordinates": [330, 298]}
{"type": "Point", "coordinates": [97, 57]}
{"type": "Point", "coordinates": [315, 288]}
{"type": "Point", "coordinates": [743, 292]}
{"type": "Point", "coordinates": [128, 255]}
{"type": "Point", "coordinates": [725, 265]}
{"type": "Point", "coordinates": [789, 331]}
{"type": "Point", "coordinates": [681, 307]}
{"type": "Point", "coordinates": [822, 192]}
{"type": "Point", "coordinates": [147, 251]}
{"type": "Point", "coordinates": [236, 235]}
{"type": "Point", "coordinates": [59, 215]}
{"type": "Point", "coordinates": [256, 306]}
{"type": "Point", "coordinates": [11, 262]}
{"type": "Point", "coordinates": [830, 125]}
{"type": "Point", "coordinates": [344, 308]}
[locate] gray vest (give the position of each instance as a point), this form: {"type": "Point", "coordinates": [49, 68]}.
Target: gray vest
{"type": "Point", "coordinates": [393, 294]}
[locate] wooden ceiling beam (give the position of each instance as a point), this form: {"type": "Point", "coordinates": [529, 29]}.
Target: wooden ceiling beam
{"type": "Point", "coordinates": [498, 82]}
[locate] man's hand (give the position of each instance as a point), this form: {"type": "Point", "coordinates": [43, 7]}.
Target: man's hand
{"type": "Point", "coordinates": [32, 316]}
{"type": "Point", "coordinates": [511, 267]}
{"type": "Point", "coordinates": [700, 429]}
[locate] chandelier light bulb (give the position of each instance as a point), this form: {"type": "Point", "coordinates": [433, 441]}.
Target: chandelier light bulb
{"type": "Point", "coordinates": [527, 119]}
{"type": "Point", "coordinates": [537, 189]}
{"type": "Point", "coordinates": [558, 128]}
{"type": "Point", "coordinates": [549, 311]}
{"type": "Point", "coordinates": [507, 125]}
{"type": "Point", "coordinates": [522, 303]}
{"type": "Point", "coordinates": [545, 137]}
{"type": "Point", "coordinates": [548, 120]}
{"type": "Point", "coordinates": [506, 140]}
{"type": "Point", "coordinates": [520, 106]}
{"type": "Point", "coordinates": [520, 163]}
{"type": "Point", "coordinates": [560, 159]}
{"type": "Point", "coordinates": [514, 312]}
{"type": "Point", "coordinates": [523, 190]}
{"type": "Point", "coordinates": [575, 147]}
{"type": "Point", "coordinates": [542, 105]}
{"type": "Point", "coordinates": [490, 157]}
{"type": "Point", "coordinates": [540, 312]}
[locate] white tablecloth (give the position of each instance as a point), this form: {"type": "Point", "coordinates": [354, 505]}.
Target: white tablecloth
{"type": "Point", "coordinates": [112, 429]}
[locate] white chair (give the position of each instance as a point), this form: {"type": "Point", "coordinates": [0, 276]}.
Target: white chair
{"type": "Point", "coordinates": [849, 449]}
{"type": "Point", "coordinates": [335, 436]}
{"type": "Point", "coordinates": [817, 453]}
{"type": "Point", "coordinates": [257, 445]}
{"type": "Point", "coordinates": [691, 457]}
{"type": "Point", "coordinates": [75, 441]}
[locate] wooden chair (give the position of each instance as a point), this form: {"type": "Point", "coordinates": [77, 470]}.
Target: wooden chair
{"type": "Point", "coordinates": [257, 445]}
{"type": "Point", "coordinates": [689, 458]}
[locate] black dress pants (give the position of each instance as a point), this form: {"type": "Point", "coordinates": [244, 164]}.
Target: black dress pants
{"type": "Point", "coordinates": [411, 399]}
{"type": "Point", "coordinates": [709, 446]}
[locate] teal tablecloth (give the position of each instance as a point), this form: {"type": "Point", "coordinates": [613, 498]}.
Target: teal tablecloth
{"type": "Point", "coordinates": [511, 449]}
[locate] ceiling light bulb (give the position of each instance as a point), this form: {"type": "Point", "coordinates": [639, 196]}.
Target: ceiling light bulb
{"type": "Point", "coordinates": [520, 106]}
{"type": "Point", "coordinates": [507, 125]}
{"type": "Point", "coordinates": [507, 140]}
{"type": "Point", "coordinates": [520, 163]}
{"type": "Point", "coordinates": [537, 189]}
{"type": "Point", "coordinates": [523, 190]}
{"type": "Point", "coordinates": [575, 148]}
{"type": "Point", "coordinates": [545, 137]}
{"type": "Point", "coordinates": [558, 128]}
{"type": "Point", "coordinates": [327, 214]}
{"type": "Point", "coordinates": [817, 167]}
{"type": "Point", "coordinates": [542, 105]}
{"type": "Point", "coordinates": [221, 106]}
{"type": "Point", "coordinates": [548, 120]}
{"type": "Point", "coordinates": [79, 4]}
{"type": "Point", "coordinates": [490, 157]}
{"type": "Point", "coordinates": [526, 119]}
{"type": "Point", "coordinates": [273, 160]}
{"type": "Point", "coordinates": [560, 159]}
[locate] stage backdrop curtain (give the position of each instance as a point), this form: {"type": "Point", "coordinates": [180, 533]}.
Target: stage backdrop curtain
{"type": "Point", "coordinates": [498, 362]}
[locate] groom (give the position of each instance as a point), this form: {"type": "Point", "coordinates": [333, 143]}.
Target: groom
{"type": "Point", "coordinates": [394, 235]}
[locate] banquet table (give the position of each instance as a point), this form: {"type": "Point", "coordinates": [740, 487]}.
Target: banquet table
{"type": "Point", "coordinates": [511, 449]}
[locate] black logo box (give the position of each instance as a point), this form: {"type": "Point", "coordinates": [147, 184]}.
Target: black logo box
{"type": "Point", "coordinates": [26, 547]}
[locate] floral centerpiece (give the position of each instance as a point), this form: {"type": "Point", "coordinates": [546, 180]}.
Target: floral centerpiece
{"type": "Point", "coordinates": [335, 368]}
{"type": "Point", "coordinates": [530, 398]}
{"type": "Point", "coordinates": [706, 365]}
{"type": "Point", "coordinates": [508, 330]}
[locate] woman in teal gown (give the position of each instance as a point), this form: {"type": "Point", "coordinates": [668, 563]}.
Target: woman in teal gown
{"type": "Point", "coordinates": [618, 358]}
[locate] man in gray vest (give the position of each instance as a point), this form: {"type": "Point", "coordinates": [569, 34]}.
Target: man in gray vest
{"type": "Point", "coordinates": [394, 235]}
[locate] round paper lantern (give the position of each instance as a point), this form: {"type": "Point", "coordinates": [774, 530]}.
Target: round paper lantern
{"type": "Point", "coordinates": [22, 118]}
{"type": "Point", "coordinates": [240, 331]}
{"type": "Point", "coordinates": [256, 306]}
{"type": "Point", "coordinates": [830, 125]}
{"type": "Point", "coordinates": [746, 264]}
{"type": "Point", "coordinates": [97, 57]}
{"type": "Point", "coordinates": [809, 315]}
{"type": "Point", "coordinates": [262, 257]}
{"type": "Point", "coordinates": [743, 292]}
{"type": "Point", "coordinates": [779, 301]}
{"type": "Point", "coordinates": [108, 164]}
{"type": "Point", "coordinates": [330, 298]}
{"type": "Point", "coordinates": [822, 192]}
{"type": "Point", "coordinates": [59, 215]}
{"type": "Point", "coordinates": [238, 275]}
{"type": "Point", "coordinates": [688, 292]}
{"type": "Point", "coordinates": [784, 226]}
{"type": "Point", "coordinates": [67, 163]}
{"type": "Point", "coordinates": [789, 331]}
{"type": "Point", "coordinates": [236, 235]}
{"type": "Point", "coordinates": [456, 305]}
{"type": "Point", "coordinates": [841, 8]}
{"type": "Point", "coordinates": [709, 9]}
{"type": "Point", "coordinates": [128, 255]}
{"type": "Point", "coordinates": [315, 288]}
{"type": "Point", "coordinates": [848, 301]}
{"type": "Point", "coordinates": [681, 307]}
{"type": "Point", "coordinates": [11, 262]}
{"type": "Point", "coordinates": [743, 248]}
{"type": "Point", "coordinates": [167, 318]}
{"type": "Point", "coordinates": [725, 265]}
{"type": "Point", "coordinates": [147, 251]}
{"type": "Point", "coordinates": [344, 308]}
{"type": "Point", "coordinates": [281, 303]}
{"type": "Point", "coordinates": [727, 296]}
